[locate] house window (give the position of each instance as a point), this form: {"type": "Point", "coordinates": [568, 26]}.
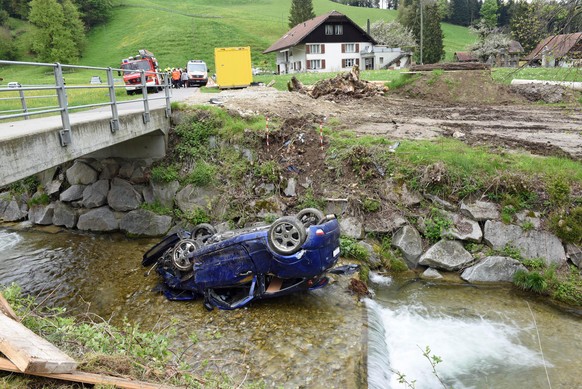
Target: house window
{"type": "Point", "coordinates": [350, 47]}
{"type": "Point", "coordinates": [339, 29]}
{"type": "Point", "coordinates": [349, 62]}
{"type": "Point", "coordinates": [381, 59]}
{"type": "Point", "coordinates": [328, 29]}
{"type": "Point", "coordinates": [313, 49]}
{"type": "Point", "coordinates": [297, 66]}
{"type": "Point", "coordinates": [315, 64]}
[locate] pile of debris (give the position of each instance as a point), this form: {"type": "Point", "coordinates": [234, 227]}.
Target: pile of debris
{"type": "Point", "coordinates": [343, 86]}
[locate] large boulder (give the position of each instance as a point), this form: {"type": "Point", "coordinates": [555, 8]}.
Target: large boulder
{"type": "Point", "coordinates": [374, 259]}
{"type": "Point", "coordinates": [408, 240]}
{"type": "Point", "coordinates": [15, 211]}
{"type": "Point", "coordinates": [81, 174]}
{"type": "Point", "coordinates": [122, 196]}
{"type": "Point", "coordinates": [95, 195]}
{"type": "Point", "coordinates": [384, 222]}
{"type": "Point", "coordinates": [109, 169]}
{"type": "Point", "coordinates": [448, 255]}
{"type": "Point", "coordinates": [531, 244]}
{"type": "Point", "coordinates": [142, 222]}
{"type": "Point", "coordinates": [480, 210]}
{"type": "Point", "coordinates": [165, 192]}
{"type": "Point", "coordinates": [5, 199]}
{"type": "Point", "coordinates": [574, 254]}
{"type": "Point", "coordinates": [493, 269]}
{"type": "Point", "coordinates": [41, 214]}
{"type": "Point", "coordinates": [74, 193]}
{"type": "Point", "coordinates": [193, 197]}
{"type": "Point", "coordinates": [351, 227]}
{"type": "Point", "coordinates": [98, 219]}
{"type": "Point", "coordinates": [65, 215]}
{"type": "Point", "coordinates": [463, 228]}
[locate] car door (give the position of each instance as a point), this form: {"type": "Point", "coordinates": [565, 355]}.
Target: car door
{"type": "Point", "coordinates": [226, 266]}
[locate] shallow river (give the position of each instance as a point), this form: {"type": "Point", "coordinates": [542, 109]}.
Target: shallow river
{"type": "Point", "coordinates": [486, 337]}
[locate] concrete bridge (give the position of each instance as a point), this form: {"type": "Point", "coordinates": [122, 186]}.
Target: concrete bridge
{"type": "Point", "coordinates": [138, 129]}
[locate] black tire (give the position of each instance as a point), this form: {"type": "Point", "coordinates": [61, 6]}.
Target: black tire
{"type": "Point", "coordinates": [202, 232]}
{"type": "Point", "coordinates": [182, 252]}
{"type": "Point", "coordinates": [310, 216]}
{"type": "Point", "coordinates": [286, 235]}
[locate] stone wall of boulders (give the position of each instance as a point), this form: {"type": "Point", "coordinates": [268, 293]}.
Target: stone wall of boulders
{"type": "Point", "coordinates": [107, 195]}
{"type": "Point", "coordinates": [477, 223]}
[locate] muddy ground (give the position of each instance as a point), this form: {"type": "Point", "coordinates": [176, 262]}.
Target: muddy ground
{"type": "Point", "coordinates": [467, 105]}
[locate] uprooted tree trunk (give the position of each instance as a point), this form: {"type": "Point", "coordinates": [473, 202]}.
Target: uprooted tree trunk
{"type": "Point", "coordinates": [342, 86]}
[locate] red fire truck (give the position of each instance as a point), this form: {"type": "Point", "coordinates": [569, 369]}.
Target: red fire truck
{"type": "Point", "coordinates": [132, 68]}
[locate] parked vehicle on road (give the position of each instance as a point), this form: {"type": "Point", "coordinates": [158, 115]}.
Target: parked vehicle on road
{"type": "Point", "coordinates": [132, 67]}
{"type": "Point", "coordinates": [231, 269]}
{"type": "Point", "coordinates": [197, 72]}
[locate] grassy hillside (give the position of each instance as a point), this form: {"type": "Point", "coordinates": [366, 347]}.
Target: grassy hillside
{"type": "Point", "coordinates": [178, 30]}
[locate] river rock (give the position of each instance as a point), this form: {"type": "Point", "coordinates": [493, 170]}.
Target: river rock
{"type": "Point", "coordinates": [493, 269]}
{"type": "Point", "coordinates": [46, 176]}
{"type": "Point", "coordinates": [64, 215]}
{"type": "Point", "coordinates": [385, 223]}
{"type": "Point", "coordinates": [574, 254]}
{"type": "Point", "coordinates": [109, 169]}
{"type": "Point", "coordinates": [441, 203]}
{"type": "Point", "coordinates": [141, 173]}
{"type": "Point", "coordinates": [531, 244]}
{"type": "Point", "coordinates": [14, 211]}
{"type": "Point", "coordinates": [165, 192]}
{"type": "Point", "coordinates": [448, 255]}
{"type": "Point", "coordinates": [463, 228]}
{"type": "Point", "coordinates": [53, 187]}
{"type": "Point", "coordinates": [399, 194]}
{"type": "Point", "coordinates": [41, 214]}
{"type": "Point", "coordinates": [74, 193]}
{"type": "Point", "coordinates": [142, 222]}
{"type": "Point", "coordinates": [98, 219]}
{"type": "Point", "coordinates": [194, 197]}
{"type": "Point", "coordinates": [122, 196]}
{"type": "Point", "coordinates": [95, 195]}
{"type": "Point", "coordinates": [481, 210]}
{"type": "Point", "coordinates": [5, 199]}
{"type": "Point", "coordinates": [351, 227]}
{"type": "Point", "coordinates": [374, 259]}
{"type": "Point", "coordinates": [408, 240]}
{"type": "Point", "coordinates": [529, 217]}
{"type": "Point", "coordinates": [81, 174]}
{"type": "Point", "coordinates": [431, 274]}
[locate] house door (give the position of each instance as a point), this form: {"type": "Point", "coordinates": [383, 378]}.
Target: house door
{"type": "Point", "coordinates": [369, 63]}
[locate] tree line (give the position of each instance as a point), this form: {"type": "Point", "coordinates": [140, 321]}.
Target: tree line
{"type": "Point", "coordinates": [57, 30]}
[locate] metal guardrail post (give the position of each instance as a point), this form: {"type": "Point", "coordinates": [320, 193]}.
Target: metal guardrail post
{"type": "Point", "coordinates": [23, 103]}
{"type": "Point", "coordinates": [114, 123]}
{"type": "Point", "coordinates": [144, 93]}
{"type": "Point", "coordinates": [167, 92]}
{"type": "Point", "coordinates": [65, 133]}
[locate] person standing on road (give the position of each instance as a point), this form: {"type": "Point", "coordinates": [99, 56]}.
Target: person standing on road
{"type": "Point", "coordinates": [175, 78]}
{"type": "Point", "coordinates": [185, 78]}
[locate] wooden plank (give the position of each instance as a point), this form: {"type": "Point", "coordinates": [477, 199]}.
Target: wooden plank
{"type": "Point", "coordinates": [89, 378]}
{"type": "Point", "coordinates": [29, 352]}
{"type": "Point", "coordinates": [6, 309]}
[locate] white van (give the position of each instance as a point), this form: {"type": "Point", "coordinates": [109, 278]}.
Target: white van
{"type": "Point", "coordinates": [197, 72]}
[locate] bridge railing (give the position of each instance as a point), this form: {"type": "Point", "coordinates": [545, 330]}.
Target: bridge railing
{"type": "Point", "coordinates": [22, 108]}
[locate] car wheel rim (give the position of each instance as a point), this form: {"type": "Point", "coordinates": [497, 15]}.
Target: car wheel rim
{"type": "Point", "coordinates": [286, 237]}
{"type": "Point", "coordinates": [181, 254]}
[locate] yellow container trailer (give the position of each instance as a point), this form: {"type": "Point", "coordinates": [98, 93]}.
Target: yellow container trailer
{"type": "Point", "coordinates": [233, 67]}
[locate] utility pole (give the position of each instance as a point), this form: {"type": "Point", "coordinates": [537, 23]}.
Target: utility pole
{"type": "Point", "coordinates": [421, 32]}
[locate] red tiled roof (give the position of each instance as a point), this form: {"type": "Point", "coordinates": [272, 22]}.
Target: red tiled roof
{"type": "Point", "coordinates": [302, 30]}
{"type": "Point", "coordinates": [556, 45]}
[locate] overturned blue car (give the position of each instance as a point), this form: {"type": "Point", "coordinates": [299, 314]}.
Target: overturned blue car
{"type": "Point", "coordinates": [229, 270]}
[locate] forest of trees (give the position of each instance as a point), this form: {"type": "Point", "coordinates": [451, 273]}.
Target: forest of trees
{"type": "Point", "coordinates": [57, 28]}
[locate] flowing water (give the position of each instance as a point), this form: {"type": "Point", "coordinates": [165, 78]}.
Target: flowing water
{"type": "Point", "coordinates": [486, 337]}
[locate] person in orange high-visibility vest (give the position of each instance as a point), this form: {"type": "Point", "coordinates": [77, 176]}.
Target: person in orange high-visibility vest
{"type": "Point", "coordinates": [175, 78]}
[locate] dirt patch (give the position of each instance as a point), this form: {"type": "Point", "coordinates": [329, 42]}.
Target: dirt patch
{"type": "Point", "coordinates": [466, 102]}
{"type": "Point", "coordinates": [545, 93]}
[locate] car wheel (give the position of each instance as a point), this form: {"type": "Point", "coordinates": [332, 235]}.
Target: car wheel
{"type": "Point", "coordinates": [181, 254]}
{"type": "Point", "coordinates": [286, 235]}
{"type": "Point", "coordinates": [310, 216]}
{"type": "Point", "coordinates": [202, 232]}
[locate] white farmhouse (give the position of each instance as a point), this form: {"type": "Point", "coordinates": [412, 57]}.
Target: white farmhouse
{"type": "Point", "coordinates": [333, 42]}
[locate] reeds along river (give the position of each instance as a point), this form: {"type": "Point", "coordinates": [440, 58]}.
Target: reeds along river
{"type": "Point", "coordinates": [486, 337]}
